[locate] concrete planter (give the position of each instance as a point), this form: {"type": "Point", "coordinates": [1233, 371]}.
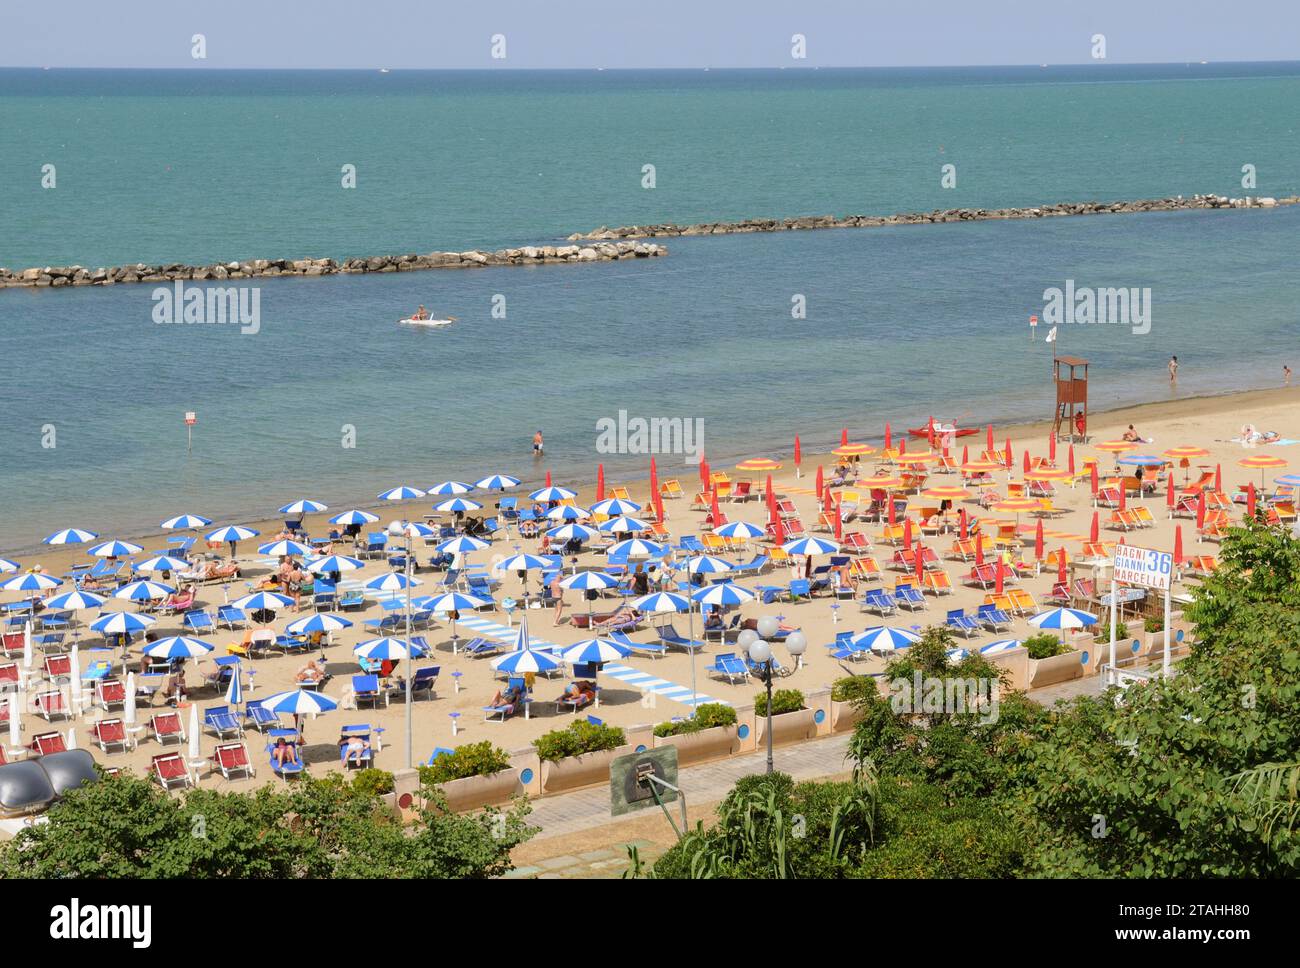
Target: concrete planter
{"type": "Point", "coordinates": [843, 716]}
{"type": "Point", "coordinates": [786, 728]}
{"type": "Point", "coordinates": [707, 744]}
{"type": "Point", "coordinates": [1059, 668]}
{"type": "Point", "coordinates": [473, 792]}
{"type": "Point", "coordinates": [573, 772]}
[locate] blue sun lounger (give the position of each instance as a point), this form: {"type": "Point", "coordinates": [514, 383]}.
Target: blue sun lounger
{"type": "Point", "coordinates": [727, 665]}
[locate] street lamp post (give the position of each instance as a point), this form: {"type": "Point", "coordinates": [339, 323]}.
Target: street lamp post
{"type": "Point", "coordinates": [759, 651]}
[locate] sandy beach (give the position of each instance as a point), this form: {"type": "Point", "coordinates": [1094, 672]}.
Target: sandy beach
{"type": "Point", "coordinates": [1208, 422]}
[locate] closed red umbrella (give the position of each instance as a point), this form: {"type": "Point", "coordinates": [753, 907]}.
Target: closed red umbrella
{"type": "Point", "coordinates": [1070, 466]}
{"type": "Point", "coordinates": [798, 453]}
{"type": "Point", "coordinates": [1178, 545]}
{"type": "Point", "coordinates": [1250, 500]}
{"type": "Point", "coordinates": [820, 482]}
{"type": "Point", "coordinates": [713, 506]}
{"type": "Point", "coordinates": [1038, 541]}
{"type": "Point", "coordinates": [771, 498]}
{"type": "Point", "coordinates": [920, 567]}
{"type": "Point", "coordinates": [963, 524]}
{"type": "Point", "coordinates": [826, 499]}
{"type": "Point", "coordinates": [548, 478]}
{"type": "Point", "coordinates": [659, 506]}
{"type": "Point", "coordinates": [1092, 476]}
{"type": "Point", "coordinates": [1060, 566]}
{"type": "Point", "coordinates": [1026, 460]}
{"type": "Point", "coordinates": [1094, 534]}
{"type": "Point", "coordinates": [889, 437]}
{"type": "Point", "coordinates": [979, 549]}
{"type": "Point", "coordinates": [907, 533]}
{"type": "Point", "coordinates": [1051, 448]}
{"type": "Point", "coordinates": [600, 482]}
{"type": "Point", "coordinates": [965, 454]}
{"type": "Point", "coordinates": [778, 532]}
{"type": "Point", "coordinates": [1008, 457]}
{"type": "Point", "coordinates": [844, 436]}
{"type": "Point", "coordinates": [989, 446]}
{"type": "Point", "coordinates": [997, 588]}
{"type": "Point", "coordinates": [1200, 511]}
{"type": "Point", "coordinates": [839, 521]}
{"type": "Point", "coordinates": [1169, 492]}
{"type": "Point", "coordinates": [1218, 477]}
{"type": "Point", "coordinates": [654, 477]}
{"type": "Point", "coordinates": [902, 446]}
{"type": "Point", "coordinates": [889, 500]}
{"type": "Point", "coordinates": [704, 473]}
{"type": "Point", "coordinates": [1123, 496]}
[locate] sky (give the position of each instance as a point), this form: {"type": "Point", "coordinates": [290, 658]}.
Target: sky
{"type": "Point", "coordinates": [397, 34]}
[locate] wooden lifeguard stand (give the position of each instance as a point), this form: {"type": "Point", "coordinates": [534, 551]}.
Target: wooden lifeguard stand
{"type": "Point", "coordinates": [1071, 396]}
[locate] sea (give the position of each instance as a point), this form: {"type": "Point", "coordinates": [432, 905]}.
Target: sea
{"type": "Point", "coordinates": [749, 339]}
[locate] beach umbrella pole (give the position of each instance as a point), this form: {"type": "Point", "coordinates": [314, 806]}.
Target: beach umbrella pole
{"type": "Point", "coordinates": [410, 671]}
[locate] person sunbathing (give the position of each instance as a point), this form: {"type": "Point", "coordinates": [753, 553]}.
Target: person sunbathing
{"type": "Point", "coordinates": [582, 691]}
{"type": "Point", "coordinates": [623, 615]}
{"type": "Point", "coordinates": [313, 673]}
{"type": "Point", "coordinates": [355, 749]}
{"type": "Point", "coordinates": [284, 752]}
{"type": "Point", "coordinates": [507, 698]}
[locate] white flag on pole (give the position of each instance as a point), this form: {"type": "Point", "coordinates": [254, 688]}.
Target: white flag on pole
{"type": "Point", "coordinates": [1051, 335]}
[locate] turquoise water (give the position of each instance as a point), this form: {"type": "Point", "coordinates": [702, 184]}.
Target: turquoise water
{"type": "Point", "coordinates": [901, 322]}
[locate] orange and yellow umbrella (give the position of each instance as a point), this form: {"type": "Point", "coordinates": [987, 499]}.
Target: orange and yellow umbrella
{"type": "Point", "coordinates": [1018, 504]}
{"type": "Point", "coordinates": [946, 493]}
{"type": "Point", "coordinates": [1049, 474]}
{"type": "Point", "coordinates": [1117, 446]}
{"type": "Point", "coordinates": [853, 450]}
{"type": "Point", "coordinates": [880, 481]}
{"type": "Point", "coordinates": [1186, 453]}
{"type": "Point", "coordinates": [979, 467]}
{"type": "Point", "coordinates": [1263, 462]}
{"type": "Point", "coordinates": [758, 464]}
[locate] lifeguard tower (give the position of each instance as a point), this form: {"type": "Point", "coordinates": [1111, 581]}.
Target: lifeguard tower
{"type": "Point", "coordinates": [1071, 397]}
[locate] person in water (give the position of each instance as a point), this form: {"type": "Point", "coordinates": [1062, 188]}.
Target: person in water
{"type": "Point", "coordinates": [537, 443]}
{"type": "Point", "coordinates": [421, 313]}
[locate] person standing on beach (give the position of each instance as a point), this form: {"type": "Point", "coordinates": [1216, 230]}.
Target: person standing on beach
{"type": "Point", "coordinates": [1173, 369]}
{"type": "Point", "coordinates": [1286, 375]}
{"type": "Point", "coordinates": [537, 444]}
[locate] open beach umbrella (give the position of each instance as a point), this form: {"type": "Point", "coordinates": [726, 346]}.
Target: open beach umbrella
{"type": "Point", "coordinates": [623, 525]}
{"type": "Point", "coordinates": [636, 548]}
{"type": "Point", "coordinates": [855, 450]}
{"type": "Point", "coordinates": [299, 702]}
{"type": "Point", "coordinates": [320, 622]}
{"type": "Point", "coordinates": [114, 549]}
{"type": "Point", "coordinates": [585, 581]}
{"type": "Point", "coordinates": [552, 493]}
{"type": "Point", "coordinates": [722, 595]}
{"type": "Point", "coordinates": [595, 650]}
{"type": "Point", "coordinates": [355, 516]}
{"type": "Point", "coordinates": [69, 536]}
{"type": "Point", "coordinates": [185, 522]}
{"type": "Point", "coordinates": [262, 602]}
{"type": "Point", "coordinates": [524, 562]}
{"type": "Point", "coordinates": [393, 582]}
{"type": "Point", "coordinates": [412, 529]}
{"type": "Point", "coordinates": [177, 647]}
{"type": "Point", "coordinates": [161, 563]}
{"type": "Point", "coordinates": [8, 566]}
{"type": "Point", "coordinates": [1288, 480]}
{"type": "Point", "coordinates": [523, 658]}
{"type": "Point", "coordinates": [122, 623]}
{"type": "Point", "coordinates": [454, 602]}
{"type": "Point", "coordinates": [403, 492]}
{"type": "Point", "coordinates": [1141, 460]}
{"type": "Point", "coordinates": [385, 648]}
{"type": "Point", "coordinates": [758, 464]}
{"type": "Point", "coordinates": [661, 602]}
{"type": "Point", "coordinates": [285, 546]}
{"type": "Point", "coordinates": [956, 655]}
{"type": "Point", "coordinates": [461, 544]}
{"type": "Point", "coordinates": [567, 512]}
{"type": "Point", "coordinates": [882, 638]}
{"type": "Point", "coordinates": [1117, 446]}
{"type": "Point", "coordinates": [739, 529]}
{"type": "Point", "coordinates": [144, 591]}
{"type": "Point", "coordinates": [946, 492]}
{"type": "Point", "coordinates": [303, 506]}
{"type": "Point", "coordinates": [1263, 462]}
{"type": "Point", "coordinates": [457, 504]}
{"type": "Point", "coordinates": [334, 563]}
{"type": "Point", "coordinates": [567, 532]}
{"type": "Point", "coordinates": [615, 506]}
{"type": "Point", "coordinates": [811, 546]}
{"type": "Point", "coordinates": [232, 535]}
{"type": "Point", "coordinates": [32, 581]}
{"type": "Point", "coordinates": [706, 565]}
{"type": "Point", "coordinates": [1002, 645]}
{"type": "Point", "coordinates": [450, 488]}
{"type": "Point", "coordinates": [497, 482]}
{"type": "Point", "coordinates": [74, 600]}
{"type": "Point", "coordinates": [1062, 618]}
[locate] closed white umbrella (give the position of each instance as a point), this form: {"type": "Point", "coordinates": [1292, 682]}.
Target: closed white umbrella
{"type": "Point", "coordinates": [15, 721]}
{"type": "Point", "coordinates": [72, 737]}
{"type": "Point", "coordinates": [76, 677]}
{"type": "Point", "coordinates": [27, 646]}
{"type": "Point", "coordinates": [194, 732]}
{"type": "Point", "coordinates": [128, 707]}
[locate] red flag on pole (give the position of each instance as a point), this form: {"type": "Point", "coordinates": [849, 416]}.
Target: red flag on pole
{"type": "Point", "coordinates": [1038, 541]}
{"type": "Point", "coordinates": [1178, 545]}
{"type": "Point", "coordinates": [1094, 534]}
{"type": "Point", "coordinates": [600, 482]}
{"type": "Point", "coordinates": [907, 533]}
{"type": "Point", "coordinates": [820, 482]}
{"type": "Point", "coordinates": [1200, 511]}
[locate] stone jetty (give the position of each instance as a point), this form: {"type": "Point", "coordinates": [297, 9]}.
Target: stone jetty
{"type": "Point", "coordinates": [269, 268]}
{"type": "Point", "coordinates": [1178, 203]}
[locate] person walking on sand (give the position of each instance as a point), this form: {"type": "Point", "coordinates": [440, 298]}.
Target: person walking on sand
{"type": "Point", "coordinates": [557, 593]}
{"type": "Point", "coordinates": [537, 444]}
{"type": "Point", "coordinates": [1173, 369]}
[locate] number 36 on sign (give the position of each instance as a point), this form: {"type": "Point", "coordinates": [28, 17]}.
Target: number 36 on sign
{"type": "Point", "coordinates": [1142, 566]}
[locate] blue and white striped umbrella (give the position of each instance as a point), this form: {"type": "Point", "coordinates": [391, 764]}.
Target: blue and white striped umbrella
{"type": "Point", "coordinates": [706, 565]}
{"type": "Point", "coordinates": [177, 647]}
{"type": "Point", "coordinates": [331, 563]}
{"type": "Point", "coordinates": [882, 638]}
{"type": "Point", "coordinates": [454, 602]}
{"type": "Point", "coordinates": [303, 506]}
{"type": "Point", "coordinates": [567, 512]}
{"type": "Point", "coordinates": [7, 566]}
{"type": "Point", "coordinates": [1142, 460]}
{"type": "Point", "coordinates": [451, 487]}
{"type": "Point", "coordinates": [525, 660]}
{"type": "Point", "coordinates": [285, 546]}
{"type": "Point", "coordinates": [567, 532]}
{"type": "Point", "coordinates": [232, 533]}
{"type": "Point", "coordinates": [161, 563]}
{"type": "Point", "coordinates": [723, 593]}
{"type": "Point", "coordinates": [355, 516]}
{"type": "Point", "coordinates": [497, 482]}
{"type": "Point", "coordinates": [114, 549]}
{"type": "Point", "coordinates": [122, 623]}
{"type": "Point", "coordinates": [320, 622]}
{"type": "Point", "coordinates": [553, 494]}
{"type": "Point", "coordinates": [636, 548]}
{"type": "Point", "coordinates": [595, 650]}
{"type": "Point", "coordinates": [184, 522]}
{"type": "Point", "coordinates": [394, 581]}
{"type": "Point", "coordinates": [77, 599]}
{"type": "Point", "coordinates": [403, 492]}
{"type": "Point", "coordinates": [457, 504]}
{"type": "Point", "coordinates": [462, 544]}
{"type": "Point", "coordinates": [623, 524]}
{"type": "Point", "coordinates": [299, 702]}
{"type": "Point", "coordinates": [262, 602]}
{"type": "Point", "coordinates": [1002, 645]}
{"type": "Point", "coordinates": [661, 602]}
{"type": "Point", "coordinates": [235, 691]}
{"type": "Point", "coordinates": [589, 580]}
{"type": "Point", "coordinates": [810, 546]}
{"type": "Point", "coordinates": [525, 562]}
{"type": "Point", "coordinates": [615, 506]}
{"type": "Point", "coordinates": [383, 648]}
{"type": "Point", "coordinates": [739, 529]}
{"type": "Point", "coordinates": [33, 581]}
{"type": "Point", "coordinates": [70, 536]}
{"type": "Point", "coordinates": [144, 591]}
{"type": "Point", "coordinates": [1062, 618]}
{"type": "Point", "coordinates": [1288, 480]}
{"type": "Point", "coordinates": [412, 529]}
{"type": "Point", "coordinates": [956, 655]}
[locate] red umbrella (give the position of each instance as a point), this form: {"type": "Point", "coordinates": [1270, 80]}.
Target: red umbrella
{"type": "Point", "coordinates": [920, 566]}
{"type": "Point", "coordinates": [771, 498]}
{"type": "Point", "coordinates": [826, 499]}
{"type": "Point", "coordinates": [844, 436]}
{"type": "Point", "coordinates": [1200, 511]}
{"type": "Point", "coordinates": [1051, 448]}
{"type": "Point", "coordinates": [889, 437]}
{"type": "Point", "coordinates": [902, 446]}
{"type": "Point", "coordinates": [1178, 545]}
{"type": "Point", "coordinates": [778, 534]}
{"type": "Point", "coordinates": [798, 452]}
{"type": "Point", "coordinates": [1026, 460]}
{"type": "Point", "coordinates": [965, 454]}
{"type": "Point", "coordinates": [889, 499]}
{"type": "Point", "coordinates": [979, 549]}
{"type": "Point", "coordinates": [820, 482]}
{"type": "Point", "coordinates": [961, 517]}
{"type": "Point", "coordinates": [659, 506]}
{"type": "Point", "coordinates": [1060, 566]}
{"type": "Point", "coordinates": [1070, 466]}
{"type": "Point", "coordinates": [907, 533]}
{"type": "Point", "coordinates": [654, 477]}
{"type": "Point", "coordinates": [548, 478]}
{"type": "Point", "coordinates": [1094, 535]}
{"type": "Point", "coordinates": [1169, 492]}
{"type": "Point", "coordinates": [704, 473]}
{"type": "Point", "coordinates": [1218, 477]}
{"type": "Point", "coordinates": [997, 588]}
{"type": "Point", "coordinates": [989, 448]}
{"type": "Point", "coordinates": [1009, 456]}
{"type": "Point", "coordinates": [600, 482]}
{"type": "Point", "coordinates": [839, 522]}
{"type": "Point", "coordinates": [1250, 500]}
{"type": "Point", "coordinates": [1038, 541]}
{"type": "Point", "coordinates": [1092, 475]}
{"type": "Point", "coordinates": [713, 506]}
{"type": "Point", "coordinates": [1123, 497]}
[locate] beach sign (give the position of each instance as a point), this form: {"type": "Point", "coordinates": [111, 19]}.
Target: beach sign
{"type": "Point", "coordinates": [1144, 567]}
{"type": "Point", "coordinates": [191, 418]}
{"type": "Point", "coordinates": [1033, 327]}
{"type": "Point", "coordinates": [644, 780]}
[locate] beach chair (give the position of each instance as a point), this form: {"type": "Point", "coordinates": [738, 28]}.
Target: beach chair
{"type": "Point", "coordinates": [1022, 602]}
{"type": "Point", "coordinates": [478, 647]}
{"type": "Point", "coordinates": [288, 768]}
{"type": "Point", "coordinates": [11, 678]}
{"type": "Point", "coordinates": [375, 546]}
{"type": "Point", "coordinates": [424, 681]}
{"type": "Point", "coordinates": [909, 596]}
{"type": "Point", "coordinates": [232, 760]}
{"type": "Point", "coordinates": [1107, 497]}
{"type": "Point", "coordinates": [582, 700]}
{"type": "Point", "coordinates": [352, 600]}
{"type": "Point", "coordinates": [983, 576]}
{"type": "Point", "coordinates": [671, 489]}
{"type": "Point", "coordinates": [366, 688]}
{"type": "Point", "coordinates": [166, 727]}
{"type": "Point", "coordinates": [799, 588]}
{"type": "Point", "coordinates": [231, 618]}
{"type": "Point", "coordinates": [669, 636]}
{"type": "Point", "coordinates": [1201, 565]}
{"type": "Point", "coordinates": [169, 769]}
{"type": "Point", "coordinates": [110, 694]}
{"type": "Point", "coordinates": [199, 622]}
{"type": "Point", "coordinates": [110, 734]}
{"type": "Point", "coordinates": [728, 666]}
{"type": "Point", "coordinates": [43, 744]}
{"type": "Point", "coordinates": [937, 583]}
{"type": "Point", "coordinates": [959, 621]}
{"type": "Point", "coordinates": [865, 569]}
{"type": "Point", "coordinates": [506, 710]}
{"type": "Point", "coordinates": [364, 758]}
{"type": "Point", "coordinates": [437, 752]}
{"type": "Point", "coordinates": [221, 722]}
{"type": "Point", "coordinates": [58, 668]}
{"type": "Point", "coordinates": [653, 649]}
{"type": "Point", "coordinates": [1143, 518]}
{"type": "Point", "coordinates": [259, 717]}
{"type": "Point", "coordinates": [52, 705]}
{"type": "Point", "coordinates": [880, 601]}
{"type": "Point", "coordinates": [992, 618]}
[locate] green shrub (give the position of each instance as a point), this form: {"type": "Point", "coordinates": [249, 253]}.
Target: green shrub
{"type": "Point", "coordinates": [1044, 646]}
{"type": "Point", "coordinates": [580, 737]}
{"type": "Point", "coordinates": [1121, 632]}
{"type": "Point", "coordinates": [706, 716]}
{"type": "Point", "coordinates": [472, 759]}
{"type": "Point", "coordinates": [853, 688]}
{"type": "Point", "coordinates": [372, 782]}
{"type": "Point", "coordinates": [783, 701]}
{"type": "Point", "coordinates": [1154, 623]}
